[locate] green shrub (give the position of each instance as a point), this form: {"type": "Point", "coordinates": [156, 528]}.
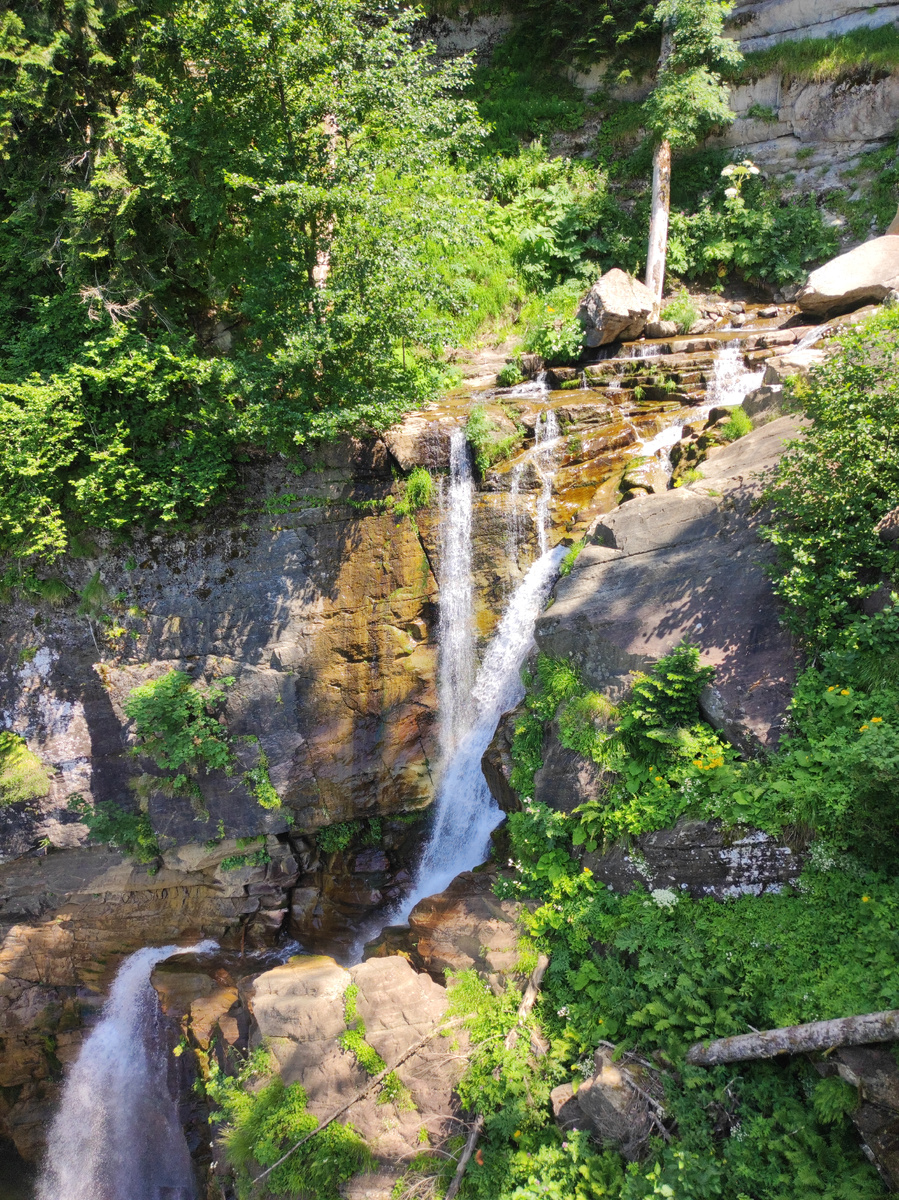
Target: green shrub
{"type": "Point", "coordinates": [337, 837]}
{"type": "Point", "coordinates": [576, 547]}
{"type": "Point", "coordinates": [835, 482]}
{"type": "Point", "coordinates": [763, 112]}
{"type": "Point", "coordinates": [176, 725]}
{"type": "Point", "coordinates": [509, 375]}
{"type": "Point", "coordinates": [737, 425]}
{"type": "Point", "coordinates": [260, 1123]}
{"type": "Point", "coordinates": [682, 310]}
{"type": "Point", "coordinates": [130, 832]}
{"type": "Point", "coordinates": [487, 441]}
{"type": "Point", "coordinates": [22, 774]}
{"type": "Point", "coordinates": [418, 492]}
{"type": "Point", "coordinates": [556, 338]}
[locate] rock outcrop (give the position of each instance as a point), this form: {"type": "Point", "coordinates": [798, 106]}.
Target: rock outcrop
{"type": "Point", "coordinates": [615, 309]}
{"type": "Point", "coordinates": [686, 564]}
{"type": "Point", "coordinates": [865, 275]}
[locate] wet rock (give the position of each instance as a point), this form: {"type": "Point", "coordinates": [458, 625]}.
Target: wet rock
{"type": "Point", "coordinates": [497, 764]}
{"type": "Point", "coordinates": [661, 329]}
{"type": "Point", "coordinates": [371, 861]}
{"type": "Point", "coordinates": [466, 926]}
{"type": "Point", "coordinates": [864, 275]}
{"type": "Point", "coordinates": [421, 439]}
{"type": "Point", "coordinates": [699, 858]}
{"type": "Point", "coordinates": [872, 1070]}
{"type": "Point", "coordinates": [685, 564]}
{"type": "Point", "coordinates": [616, 308]}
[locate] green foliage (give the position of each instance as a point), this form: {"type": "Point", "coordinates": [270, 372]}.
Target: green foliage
{"type": "Point", "coordinates": [130, 832]}
{"type": "Point", "coordinates": [690, 97]}
{"type": "Point", "coordinates": [554, 681]}
{"type": "Point", "coordinates": [176, 725]}
{"type": "Point", "coordinates": [556, 338]}
{"type": "Point", "coordinates": [574, 549]}
{"type": "Point", "coordinates": [392, 1089]}
{"type": "Point", "coordinates": [206, 200]}
{"type": "Point", "coordinates": [837, 479]}
{"type": "Point", "coordinates": [833, 1099]}
{"type": "Point", "coordinates": [23, 776]}
{"type": "Point", "coordinates": [763, 112]}
{"type": "Point", "coordinates": [487, 440]}
{"type": "Point", "coordinates": [855, 56]}
{"type": "Point", "coordinates": [337, 837]}
{"type": "Point", "coordinates": [509, 375]}
{"type": "Point", "coordinates": [737, 425]}
{"type": "Point", "coordinates": [259, 783]}
{"type": "Point", "coordinates": [261, 1120]}
{"type": "Point", "coordinates": [418, 493]}
{"type": "Point", "coordinates": [682, 310]}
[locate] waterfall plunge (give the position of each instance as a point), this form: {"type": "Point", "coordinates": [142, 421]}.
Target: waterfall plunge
{"type": "Point", "coordinates": [117, 1135]}
{"type": "Point", "coordinates": [465, 811]}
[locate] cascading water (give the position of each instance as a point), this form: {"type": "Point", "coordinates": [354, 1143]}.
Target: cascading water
{"type": "Point", "coordinates": [117, 1135]}
{"type": "Point", "coordinates": [465, 811]}
{"type": "Point", "coordinates": [732, 381]}
{"type": "Point", "coordinates": [546, 434]}
{"type": "Point", "coordinates": [455, 627]}
{"type": "Point", "coordinates": [516, 531]}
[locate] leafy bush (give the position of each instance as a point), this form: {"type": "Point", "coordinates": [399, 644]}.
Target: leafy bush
{"type": "Point", "coordinates": [489, 443]}
{"type": "Point", "coordinates": [176, 724]}
{"type": "Point", "coordinates": [509, 375]}
{"type": "Point", "coordinates": [337, 837]}
{"type": "Point", "coordinates": [130, 832]}
{"type": "Point", "coordinates": [418, 493]}
{"type": "Point", "coordinates": [682, 310]}
{"type": "Point", "coordinates": [22, 774]}
{"type": "Point", "coordinates": [835, 482]}
{"type": "Point", "coordinates": [557, 339]}
{"type": "Point", "coordinates": [737, 425]}
{"type": "Point", "coordinates": [261, 1120]}
{"type": "Point", "coordinates": [574, 550]}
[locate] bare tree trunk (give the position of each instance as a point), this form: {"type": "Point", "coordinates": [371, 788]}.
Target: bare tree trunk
{"type": "Point", "coordinates": [799, 1039]}
{"type": "Point", "coordinates": [658, 224]}
{"type": "Point", "coordinates": [661, 202]}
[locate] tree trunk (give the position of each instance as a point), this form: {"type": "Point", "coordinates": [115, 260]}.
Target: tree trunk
{"type": "Point", "coordinates": [658, 225]}
{"type": "Point", "coordinates": [661, 201]}
{"type": "Point", "coordinates": [799, 1039]}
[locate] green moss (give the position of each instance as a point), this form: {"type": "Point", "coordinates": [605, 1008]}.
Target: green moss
{"type": "Point", "coordinates": [22, 774]}
{"type": "Point", "coordinates": [860, 53]}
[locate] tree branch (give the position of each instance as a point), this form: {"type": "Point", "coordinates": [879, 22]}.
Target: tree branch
{"type": "Point", "coordinates": [799, 1039]}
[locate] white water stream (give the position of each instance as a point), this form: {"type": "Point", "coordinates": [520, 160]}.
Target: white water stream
{"type": "Point", "coordinates": [455, 627]}
{"type": "Point", "coordinates": [117, 1135]}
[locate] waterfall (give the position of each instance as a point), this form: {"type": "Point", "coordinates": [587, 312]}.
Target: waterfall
{"type": "Point", "coordinates": [544, 445]}
{"type": "Point", "coordinates": [465, 811]}
{"type": "Point", "coordinates": [117, 1135]}
{"type": "Point", "coordinates": [732, 381]}
{"type": "Point", "coordinates": [516, 530]}
{"type": "Point", "coordinates": [456, 625]}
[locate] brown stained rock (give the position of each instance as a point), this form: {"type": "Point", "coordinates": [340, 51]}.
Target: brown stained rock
{"type": "Point", "coordinates": [566, 1110]}
{"type": "Point", "coordinates": [299, 1011]}
{"type": "Point", "coordinates": [887, 528]}
{"type": "Point", "coordinates": [616, 308]}
{"type": "Point", "coordinates": [422, 439]}
{"type": "Point", "coordinates": [466, 926]}
{"type": "Point", "coordinates": [687, 564]}
{"type": "Point", "coordinates": [700, 859]}
{"type": "Point", "coordinates": [864, 275]}
{"type": "Point", "coordinates": [872, 1070]}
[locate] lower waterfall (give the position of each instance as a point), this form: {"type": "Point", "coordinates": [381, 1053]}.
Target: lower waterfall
{"type": "Point", "coordinates": [117, 1135]}
{"type": "Point", "coordinates": [465, 811]}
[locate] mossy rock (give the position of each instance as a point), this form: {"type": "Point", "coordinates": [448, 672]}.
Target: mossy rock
{"type": "Point", "coordinates": [22, 774]}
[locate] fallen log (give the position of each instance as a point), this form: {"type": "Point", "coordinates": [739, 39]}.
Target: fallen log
{"type": "Point", "coordinates": [798, 1039]}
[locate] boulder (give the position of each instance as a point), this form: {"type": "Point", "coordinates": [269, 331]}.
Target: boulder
{"type": "Point", "coordinates": [298, 1010]}
{"type": "Point", "coordinates": [887, 528]}
{"type": "Point", "coordinates": [864, 275]}
{"type": "Point", "coordinates": [566, 778]}
{"type": "Point", "coordinates": [616, 308]}
{"type": "Point", "coordinates": [465, 926]}
{"type": "Point", "coordinates": [686, 564]}
{"type": "Point", "coordinates": [614, 1101]}
{"type": "Point", "coordinates": [699, 859]}
{"type": "Point", "coordinates": [497, 765]}
{"type": "Point", "coordinates": [661, 329]}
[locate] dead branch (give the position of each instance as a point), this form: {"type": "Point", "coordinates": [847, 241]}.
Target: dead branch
{"type": "Point", "coordinates": [360, 1095]}
{"type": "Point", "coordinates": [799, 1039]}
{"type": "Point", "coordinates": [528, 1001]}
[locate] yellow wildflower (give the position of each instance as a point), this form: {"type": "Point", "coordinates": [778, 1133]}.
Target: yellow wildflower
{"type": "Point", "coordinates": [866, 899]}
{"type": "Point", "coordinates": [862, 728]}
{"type": "Point", "coordinates": [876, 720]}
{"type": "Point", "coordinates": [831, 689]}
{"type": "Point", "coordinates": [517, 1133]}
{"type": "Point", "coordinates": [844, 692]}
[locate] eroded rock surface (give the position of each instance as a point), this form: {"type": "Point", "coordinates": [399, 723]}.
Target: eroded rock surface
{"type": "Point", "coordinates": [686, 564]}
{"type": "Point", "coordinates": [616, 308]}
{"type": "Point", "coordinates": [865, 275]}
